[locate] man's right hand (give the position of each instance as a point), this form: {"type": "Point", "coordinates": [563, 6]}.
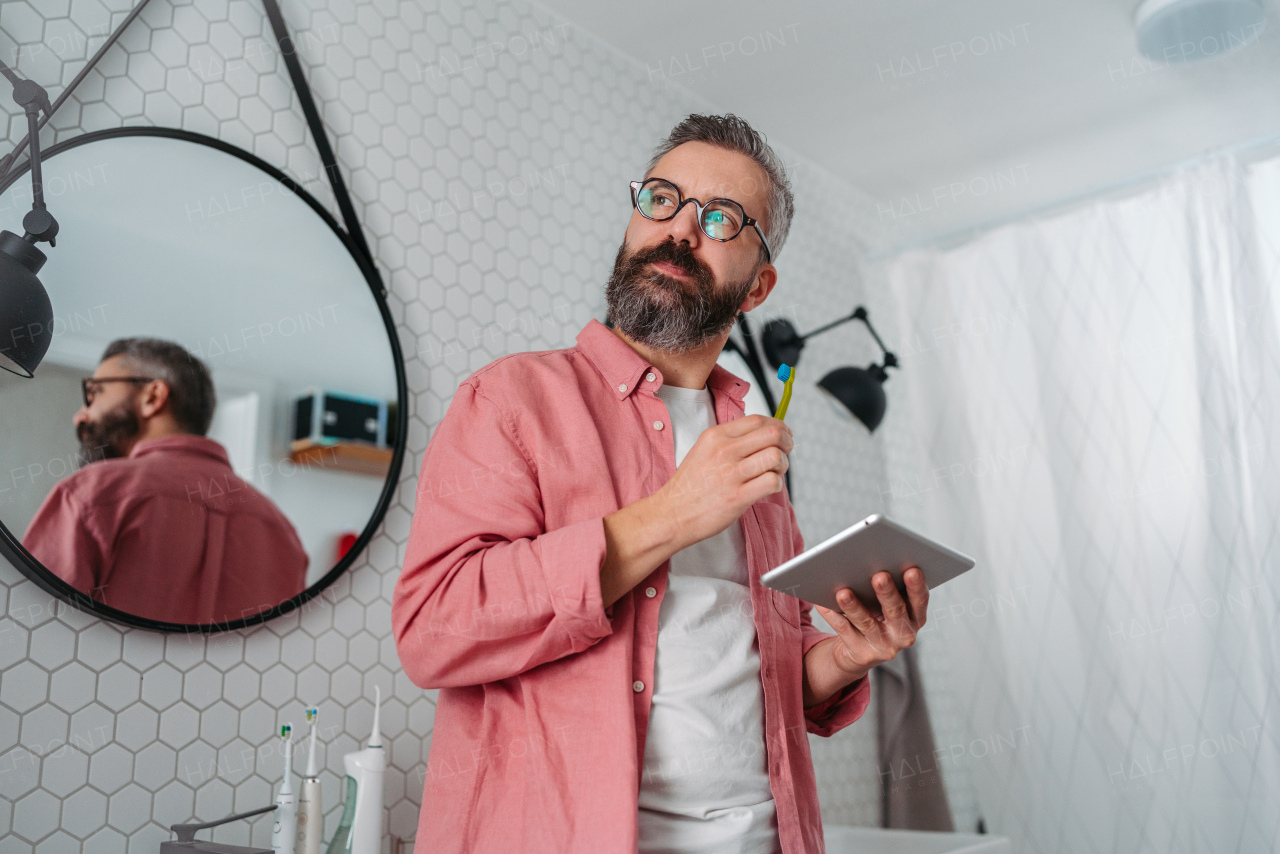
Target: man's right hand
{"type": "Point", "coordinates": [730, 467]}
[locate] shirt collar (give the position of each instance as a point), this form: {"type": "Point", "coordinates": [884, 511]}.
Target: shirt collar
{"type": "Point", "coordinates": [622, 367]}
{"type": "Point", "coordinates": [182, 443]}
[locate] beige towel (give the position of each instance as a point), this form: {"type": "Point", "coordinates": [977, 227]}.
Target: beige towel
{"type": "Point", "coordinates": [913, 796]}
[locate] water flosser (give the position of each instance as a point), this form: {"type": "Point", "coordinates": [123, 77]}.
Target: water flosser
{"type": "Point", "coordinates": [285, 829]}
{"type": "Point", "coordinates": [310, 806]}
{"type": "Point", "coordinates": [365, 771]}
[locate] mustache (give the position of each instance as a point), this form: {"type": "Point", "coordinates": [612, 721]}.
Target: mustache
{"type": "Point", "coordinates": [676, 254]}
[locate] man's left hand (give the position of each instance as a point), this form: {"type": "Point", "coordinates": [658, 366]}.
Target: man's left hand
{"type": "Point", "coordinates": [867, 639]}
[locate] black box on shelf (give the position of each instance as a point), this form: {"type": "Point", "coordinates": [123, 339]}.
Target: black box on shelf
{"type": "Point", "coordinates": [326, 417]}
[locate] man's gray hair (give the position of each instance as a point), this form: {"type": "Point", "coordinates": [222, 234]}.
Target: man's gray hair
{"type": "Point", "coordinates": [192, 398]}
{"type": "Point", "coordinates": [732, 133]}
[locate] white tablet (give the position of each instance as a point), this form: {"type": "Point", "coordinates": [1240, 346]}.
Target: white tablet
{"type": "Point", "coordinates": [851, 557]}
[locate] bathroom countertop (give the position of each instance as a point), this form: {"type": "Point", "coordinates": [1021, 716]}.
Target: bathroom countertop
{"type": "Point", "coordinates": [841, 839]}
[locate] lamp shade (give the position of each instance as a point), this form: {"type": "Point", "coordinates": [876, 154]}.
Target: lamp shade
{"type": "Point", "coordinates": [1181, 31]}
{"type": "Point", "coordinates": [859, 390]}
{"type": "Point", "coordinates": [26, 315]}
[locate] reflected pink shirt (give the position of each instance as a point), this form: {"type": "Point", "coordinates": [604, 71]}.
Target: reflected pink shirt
{"type": "Point", "coordinates": [170, 533]}
{"type": "Point", "coordinates": [538, 742]}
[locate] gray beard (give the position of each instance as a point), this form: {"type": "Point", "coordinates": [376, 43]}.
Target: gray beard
{"type": "Point", "coordinates": [666, 313]}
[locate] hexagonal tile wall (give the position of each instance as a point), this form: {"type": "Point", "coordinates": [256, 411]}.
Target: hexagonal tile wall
{"type": "Point", "coordinates": [487, 146]}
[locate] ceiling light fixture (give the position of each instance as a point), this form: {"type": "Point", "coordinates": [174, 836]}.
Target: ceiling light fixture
{"type": "Point", "coordinates": [1181, 31]}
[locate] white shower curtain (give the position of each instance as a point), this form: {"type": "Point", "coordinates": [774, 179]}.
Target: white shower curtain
{"type": "Point", "coordinates": [1089, 404]}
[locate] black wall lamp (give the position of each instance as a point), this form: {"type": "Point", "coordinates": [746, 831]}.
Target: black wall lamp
{"type": "Point", "coordinates": [859, 390]}
{"type": "Point", "coordinates": [26, 314]}
{"type": "Point", "coordinates": [25, 310]}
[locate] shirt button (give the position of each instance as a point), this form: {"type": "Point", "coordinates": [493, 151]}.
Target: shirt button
{"type": "Point", "coordinates": [622, 387]}
{"type": "Point", "coordinates": [657, 425]}
{"type": "Point", "coordinates": [650, 377]}
{"type": "Point", "coordinates": [637, 686]}
{"type": "Point", "coordinates": [650, 592]}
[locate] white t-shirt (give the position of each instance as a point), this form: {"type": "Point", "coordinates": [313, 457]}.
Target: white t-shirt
{"type": "Point", "coordinates": [705, 783]}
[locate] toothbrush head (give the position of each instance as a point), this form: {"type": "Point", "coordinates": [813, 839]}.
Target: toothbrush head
{"type": "Point", "coordinates": [286, 731]}
{"type": "Point", "coordinates": [311, 715]}
{"type": "Point", "coordinates": [784, 372]}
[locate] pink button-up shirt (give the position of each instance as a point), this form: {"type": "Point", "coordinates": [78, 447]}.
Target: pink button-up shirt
{"type": "Point", "coordinates": [170, 533]}
{"type": "Point", "coordinates": [538, 743]}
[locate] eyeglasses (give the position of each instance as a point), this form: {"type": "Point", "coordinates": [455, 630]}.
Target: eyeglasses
{"type": "Point", "coordinates": [719, 219]}
{"type": "Point", "coordinates": [89, 385]}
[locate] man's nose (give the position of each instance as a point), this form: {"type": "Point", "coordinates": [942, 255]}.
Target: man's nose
{"type": "Point", "coordinates": [81, 416]}
{"type": "Point", "coordinates": [684, 226]}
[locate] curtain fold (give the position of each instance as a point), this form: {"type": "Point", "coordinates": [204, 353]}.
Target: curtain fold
{"type": "Point", "coordinates": [1089, 404]}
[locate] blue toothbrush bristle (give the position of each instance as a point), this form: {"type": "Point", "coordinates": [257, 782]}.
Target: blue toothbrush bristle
{"type": "Point", "coordinates": [784, 372]}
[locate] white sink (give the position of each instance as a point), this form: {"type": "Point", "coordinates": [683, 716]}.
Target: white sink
{"type": "Point", "coordinates": [873, 840]}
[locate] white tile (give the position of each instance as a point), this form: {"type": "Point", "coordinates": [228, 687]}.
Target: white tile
{"type": "Point", "coordinates": [110, 768]}
{"type": "Point", "coordinates": [35, 816]}
{"type": "Point", "coordinates": [64, 769]}
{"type": "Point", "coordinates": [44, 728]}
{"type": "Point", "coordinates": [161, 686]}
{"type": "Point", "coordinates": [118, 686]}
{"type": "Point", "coordinates": [106, 841]}
{"type": "Point", "coordinates": [202, 686]}
{"type": "Point", "coordinates": [25, 686]}
{"type": "Point", "coordinates": [137, 726]}
{"type": "Point", "coordinates": [174, 803]}
{"type": "Point", "coordinates": [84, 812]}
{"type": "Point", "coordinates": [129, 809]}
{"type": "Point", "coordinates": [179, 725]}
{"type": "Point", "coordinates": [219, 724]}
{"type": "Point", "coordinates": [262, 651]}
{"type": "Point", "coordinates": [98, 646]}
{"type": "Point", "coordinates": [155, 766]}
{"type": "Point", "coordinates": [52, 645]}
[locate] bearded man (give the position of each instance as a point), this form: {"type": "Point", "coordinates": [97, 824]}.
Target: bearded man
{"type": "Point", "coordinates": [156, 523]}
{"type": "Point", "coordinates": [582, 575]}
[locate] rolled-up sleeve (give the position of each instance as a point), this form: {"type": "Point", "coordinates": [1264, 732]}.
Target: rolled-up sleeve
{"type": "Point", "coordinates": [486, 592]}
{"type": "Point", "coordinates": [844, 706]}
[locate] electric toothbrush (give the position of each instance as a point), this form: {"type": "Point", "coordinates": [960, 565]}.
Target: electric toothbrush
{"type": "Point", "coordinates": [310, 805]}
{"type": "Point", "coordinates": [285, 830]}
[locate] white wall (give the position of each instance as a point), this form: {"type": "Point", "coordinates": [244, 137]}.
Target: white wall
{"type": "Point", "coordinates": [444, 139]}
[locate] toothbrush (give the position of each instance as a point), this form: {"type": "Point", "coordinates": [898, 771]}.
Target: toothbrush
{"type": "Point", "coordinates": [284, 832]}
{"type": "Point", "coordinates": [787, 374]}
{"type": "Point", "coordinates": [310, 806]}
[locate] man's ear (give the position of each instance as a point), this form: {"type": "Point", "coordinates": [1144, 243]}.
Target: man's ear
{"type": "Point", "coordinates": [155, 395]}
{"type": "Point", "coordinates": [766, 278]}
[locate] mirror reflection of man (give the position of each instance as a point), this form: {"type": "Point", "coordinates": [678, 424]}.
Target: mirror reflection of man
{"type": "Point", "coordinates": [582, 573]}
{"type": "Point", "coordinates": [156, 523]}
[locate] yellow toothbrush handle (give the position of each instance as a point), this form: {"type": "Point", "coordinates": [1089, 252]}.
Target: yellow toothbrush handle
{"type": "Point", "coordinates": [786, 397]}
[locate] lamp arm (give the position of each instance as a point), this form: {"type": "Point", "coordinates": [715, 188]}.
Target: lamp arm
{"type": "Point", "coordinates": [833, 324]}
{"type": "Point", "coordinates": [7, 162]}
{"type": "Point", "coordinates": [39, 224]}
{"type": "Point", "coordinates": [37, 177]}
{"type": "Point", "coordinates": [859, 313]}
{"type": "Point", "coordinates": [890, 360]}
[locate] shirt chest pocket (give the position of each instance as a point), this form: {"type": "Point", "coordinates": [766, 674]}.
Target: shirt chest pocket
{"type": "Point", "coordinates": [775, 530]}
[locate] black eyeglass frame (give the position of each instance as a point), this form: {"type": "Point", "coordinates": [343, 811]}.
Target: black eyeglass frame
{"type": "Point", "coordinates": [700, 207]}
{"type": "Point", "coordinates": [87, 381]}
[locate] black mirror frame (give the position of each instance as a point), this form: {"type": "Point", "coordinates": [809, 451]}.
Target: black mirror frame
{"type": "Point", "coordinates": [11, 547]}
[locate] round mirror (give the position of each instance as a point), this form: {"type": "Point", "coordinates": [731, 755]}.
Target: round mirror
{"type": "Point", "coordinates": [219, 424]}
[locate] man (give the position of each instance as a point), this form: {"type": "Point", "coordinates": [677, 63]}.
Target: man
{"type": "Point", "coordinates": [582, 575]}
{"type": "Point", "coordinates": [159, 525]}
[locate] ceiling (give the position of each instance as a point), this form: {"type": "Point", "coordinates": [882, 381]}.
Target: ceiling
{"type": "Point", "coordinates": [952, 115]}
